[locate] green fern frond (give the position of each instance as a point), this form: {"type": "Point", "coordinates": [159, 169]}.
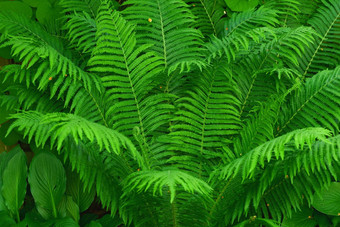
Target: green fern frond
{"type": "Point", "coordinates": [210, 111]}
{"type": "Point", "coordinates": [32, 44]}
{"type": "Point", "coordinates": [258, 129]}
{"type": "Point", "coordinates": [242, 23]}
{"type": "Point", "coordinates": [240, 30]}
{"type": "Point", "coordinates": [248, 164]}
{"type": "Point", "coordinates": [89, 7]}
{"type": "Point", "coordinates": [324, 53]}
{"type": "Point", "coordinates": [288, 10]}
{"type": "Point", "coordinates": [81, 30]}
{"type": "Point", "coordinates": [170, 178]}
{"type": "Point", "coordinates": [316, 104]}
{"type": "Point", "coordinates": [63, 125]}
{"type": "Point", "coordinates": [127, 73]}
{"type": "Point", "coordinates": [301, 175]}
{"type": "Point", "coordinates": [209, 15]}
{"type": "Point", "coordinates": [278, 50]}
{"type": "Point", "coordinates": [166, 24]}
{"type": "Point", "coordinates": [280, 185]}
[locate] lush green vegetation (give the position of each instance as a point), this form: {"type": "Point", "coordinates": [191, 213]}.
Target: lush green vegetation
{"type": "Point", "coordinates": [170, 113]}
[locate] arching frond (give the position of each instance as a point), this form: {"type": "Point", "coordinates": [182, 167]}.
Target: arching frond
{"type": "Point", "coordinates": [324, 53]}
{"type": "Point", "coordinates": [301, 175]}
{"type": "Point", "coordinates": [316, 104]}
{"type": "Point", "coordinates": [63, 125]}
{"type": "Point", "coordinates": [97, 169]}
{"type": "Point", "coordinates": [247, 165]}
{"type": "Point", "coordinates": [32, 44]}
{"type": "Point", "coordinates": [167, 25]}
{"type": "Point", "coordinates": [170, 178]}
{"type": "Point", "coordinates": [81, 30]}
{"type": "Point", "coordinates": [288, 10]}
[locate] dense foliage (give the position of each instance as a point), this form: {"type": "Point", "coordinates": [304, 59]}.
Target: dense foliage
{"type": "Point", "coordinates": [172, 113]}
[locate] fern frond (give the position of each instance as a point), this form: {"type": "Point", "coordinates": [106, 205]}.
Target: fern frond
{"type": "Point", "coordinates": [76, 98]}
{"type": "Point", "coordinates": [324, 53]}
{"type": "Point", "coordinates": [32, 44]}
{"type": "Point", "coordinates": [301, 175]}
{"type": "Point", "coordinates": [247, 165]}
{"type": "Point", "coordinates": [170, 178]}
{"type": "Point", "coordinates": [127, 73]}
{"type": "Point", "coordinates": [316, 104]}
{"type": "Point", "coordinates": [280, 185]}
{"type": "Point", "coordinates": [240, 30]}
{"type": "Point", "coordinates": [97, 169]}
{"type": "Point", "coordinates": [288, 10]}
{"type": "Point", "coordinates": [259, 128]}
{"type": "Point", "coordinates": [209, 111]}
{"type": "Point", "coordinates": [208, 15]}
{"type": "Point", "coordinates": [89, 7]}
{"type": "Point", "coordinates": [166, 24]}
{"type": "Point", "coordinates": [278, 50]}
{"type": "Point", "coordinates": [62, 125]}
{"type": "Point", "coordinates": [81, 30]}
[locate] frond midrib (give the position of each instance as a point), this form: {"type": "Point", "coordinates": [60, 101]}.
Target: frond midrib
{"type": "Point", "coordinates": [134, 96]}
{"type": "Point", "coordinates": [319, 46]}
{"type": "Point", "coordinates": [209, 17]}
{"type": "Point", "coordinates": [305, 103]}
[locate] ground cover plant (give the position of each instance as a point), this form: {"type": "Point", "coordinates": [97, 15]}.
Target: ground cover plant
{"type": "Point", "coordinates": [172, 113]}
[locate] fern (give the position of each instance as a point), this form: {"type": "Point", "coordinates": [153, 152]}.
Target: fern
{"type": "Point", "coordinates": [169, 30]}
{"type": "Point", "coordinates": [319, 94]}
{"type": "Point", "coordinates": [181, 112]}
{"type": "Point", "coordinates": [209, 15]}
{"type": "Point", "coordinates": [324, 53]}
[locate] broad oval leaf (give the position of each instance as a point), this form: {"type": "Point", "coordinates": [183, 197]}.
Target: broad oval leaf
{"type": "Point", "coordinates": [48, 183]}
{"type": "Point", "coordinates": [17, 7]}
{"type": "Point", "coordinates": [14, 183]}
{"type": "Point", "coordinates": [329, 202]}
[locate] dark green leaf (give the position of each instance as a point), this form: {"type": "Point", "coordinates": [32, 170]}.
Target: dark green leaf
{"type": "Point", "coordinates": [76, 189]}
{"type": "Point", "coordinates": [48, 183]}
{"type": "Point", "coordinates": [329, 202]}
{"type": "Point", "coordinates": [241, 5]}
{"type": "Point", "coordinates": [14, 183]}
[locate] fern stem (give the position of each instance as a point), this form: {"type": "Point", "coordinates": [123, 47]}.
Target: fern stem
{"type": "Point", "coordinates": [174, 216]}
{"type": "Point", "coordinates": [204, 123]}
